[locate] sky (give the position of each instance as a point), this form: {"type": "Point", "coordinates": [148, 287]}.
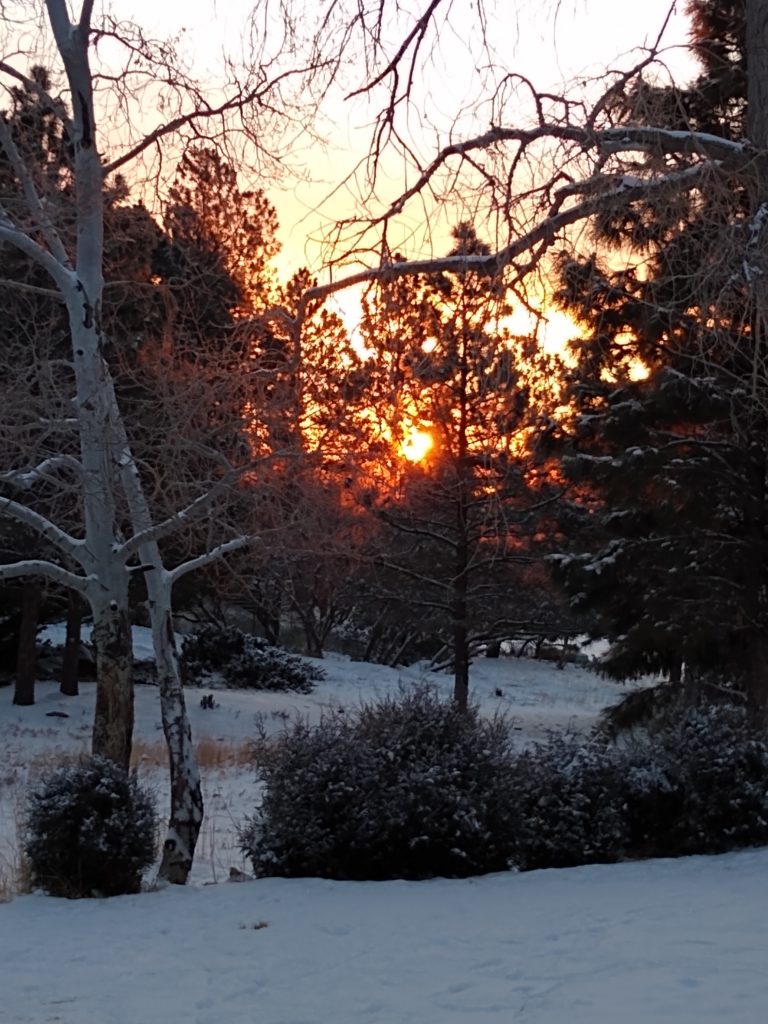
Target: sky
{"type": "Point", "coordinates": [550, 43]}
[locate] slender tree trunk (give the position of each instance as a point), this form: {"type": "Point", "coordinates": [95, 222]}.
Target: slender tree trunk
{"type": "Point", "coordinates": [70, 667]}
{"type": "Point", "coordinates": [493, 649]}
{"type": "Point", "coordinates": [461, 664]}
{"type": "Point", "coordinates": [757, 681]}
{"type": "Point", "coordinates": [406, 639]}
{"type": "Point", "coordinates": [186, 792]}
{"type": "Point", "coordinates": [113, 719]}
{"type": "Point", "coordinates": [313, 646]}
{"type": "Point", "coordinates": [26, 656]}
{"type": "Point", "coordinates": [187, 808]}
{"type": "Point", "coordinates": [757, 65]}
{"type": "Point", "coordinates": [757, 130]}
{"type": "Point", "coordinates": [459, 607]}
{"type": "Point", "coordinates": [269, 622]}
{"type": "Point", "coordinates": [81, 282]}
{"type": "Point", "coordinates": [460, 579]}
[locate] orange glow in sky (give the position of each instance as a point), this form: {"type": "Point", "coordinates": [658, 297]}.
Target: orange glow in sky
{"type": "Point", "coordinates": [548, 43]}
{"type": "Point", "coordinates": [416, 445]}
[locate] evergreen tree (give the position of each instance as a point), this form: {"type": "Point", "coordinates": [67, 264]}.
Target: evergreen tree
{"type": "Point", "coordinates": [463, 524]}
{"type": "Point", "coordinates": [220, 241]}
{"type": "Point", "coordinates": [669, 444]}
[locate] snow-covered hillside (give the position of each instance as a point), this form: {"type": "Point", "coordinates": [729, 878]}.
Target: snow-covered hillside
{"type": "Point", "coordinates": [657, 941]}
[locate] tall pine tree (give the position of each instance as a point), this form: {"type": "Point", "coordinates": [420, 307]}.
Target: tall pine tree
{"type": "Point", "coordinates": [669, 442]}
{"type": "Point", "coordinates": [464, 526]}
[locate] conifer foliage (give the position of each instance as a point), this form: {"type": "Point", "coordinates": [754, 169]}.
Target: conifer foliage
{"type": "Point", "coordinates": [242, 660]}
{"type": "Point", "coordinates": [668, 447]}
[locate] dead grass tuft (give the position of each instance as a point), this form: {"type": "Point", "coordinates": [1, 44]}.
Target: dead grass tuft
{"type": "Point", "coordinates": [15, 877]}
{"type": "Point", "coordinates": [15, 779]}
{"type": "Point", "coordinates": [211, 754]}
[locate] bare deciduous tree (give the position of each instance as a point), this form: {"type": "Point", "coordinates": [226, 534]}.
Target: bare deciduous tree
{"type": "Point", "coordinates": [78, 446]}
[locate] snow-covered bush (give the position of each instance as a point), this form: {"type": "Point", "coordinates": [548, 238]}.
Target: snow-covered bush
{"type": "Point", "coordinates": [699, 785]}
{"type": "Point", "coordinates": [570, 802]}
{"type": "Point", "coordinates": [242, 660]}
{"type": "Point", "coordinates": [696, 784]}
{"type": "Point", "coordinates": [91, 830]}
{"type": "Point", "coordinates": [408, 787]}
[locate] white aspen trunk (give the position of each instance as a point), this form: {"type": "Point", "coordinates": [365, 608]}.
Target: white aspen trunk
{"type": "Point", "coordinates": [113, 718]}
{"type": "Point", "coordinates": [106, 459]}
{"type": "Point", "coordinates": [97, 409]}
{"type": "Point", "coordinates": [108, 594]}
{"type": "Point", "coordinates": [187, 807]}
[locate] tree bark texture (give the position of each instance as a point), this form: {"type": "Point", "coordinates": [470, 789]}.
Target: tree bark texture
{"type": "Point", "coordinates": [187, 808]}
{"type": "Point", "coordinates": [113, 719]}
{"type": "Point", "coordinates": [70, 668]}
{"type": "Point", "coordinates": [757, 65]}
{"type": "Point", "coordinates": [26, 656]}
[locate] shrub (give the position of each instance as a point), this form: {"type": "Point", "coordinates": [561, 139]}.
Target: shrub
{"type": "Point", "coordinates": [409, 787]}
{"type": "Point", "coordinates": [698, 785]}
{"type": "Point", "coordinates": [413, 788]}
{"type": "Point", "coordinates": [244, 661]}
{"type": "Point", "coordinates": [570, 802]}
{"type": "Point", "coordinates": [90, 831]}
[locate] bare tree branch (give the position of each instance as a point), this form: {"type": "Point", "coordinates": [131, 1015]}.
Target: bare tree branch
{"type": "Point", "coordinates": [61, 274]}
{"type": "Point", "coordinates": [613, 189]}
{"type": "Point", "coordinates": [48, 570]}
{"type": "Point", "coordinates": [25, 478]}
{"type": "Point", "coordinates": [179, 519]}
{"type": "Point", "coordinates": [65, 542]}
{"type": "Point", "coordinates": [208, 557]}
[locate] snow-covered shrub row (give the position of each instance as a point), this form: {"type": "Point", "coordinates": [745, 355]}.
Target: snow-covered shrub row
{"type": "Point", "coordinates": [414, 788]}
{"type": "Point", "coordinates": [569, 797]}
{"type": "Point", "coordinates": [698, 785]}
{"type": "Point", "coordinates": [409, 787]}
{"type": "Point", "coordinates": [242, 660]}
{"type": "Point", "coordinates": [91, 830]}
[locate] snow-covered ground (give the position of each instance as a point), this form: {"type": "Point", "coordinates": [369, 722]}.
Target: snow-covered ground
{"type": "Point", "coordinates": [658, 941]}
{"type": "Point", "coordinates": [670, 942]}
{"type": "Point", "coordinates": [538, 696]}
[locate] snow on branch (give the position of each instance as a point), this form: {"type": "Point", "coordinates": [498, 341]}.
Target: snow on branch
{"type": "Point", "coordinates": [621, 189]}
{"type": "Point", "coordinates": [26, 478]}
{"type": "Point", "coordinates": [611, 140]}
{"type": "Point", "coordinates": [32, 199]}
{"type": "Point", "coordinates": [209, 556]}
{"type": "Point", "coordinates": [174, 522]}
{"type": "Point", "coordinates": [60, 539]}
{"type": "Point", "coordinates": [524, 137]}
{"type": "Point", "coordinates": [48, 570]}
{"type": "Point", "coordinates": [671, 143]}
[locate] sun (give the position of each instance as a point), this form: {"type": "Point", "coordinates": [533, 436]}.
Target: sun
{"type": "Point", "coordinates": [416, 445]}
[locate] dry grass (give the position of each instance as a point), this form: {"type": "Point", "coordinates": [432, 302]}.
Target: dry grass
{"type": "Point", "coordinates": [211, 754]}
{"type": "Point", "coordinates": [14, 866]}
{"type": "Point", "coordinates": [15, 780]}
